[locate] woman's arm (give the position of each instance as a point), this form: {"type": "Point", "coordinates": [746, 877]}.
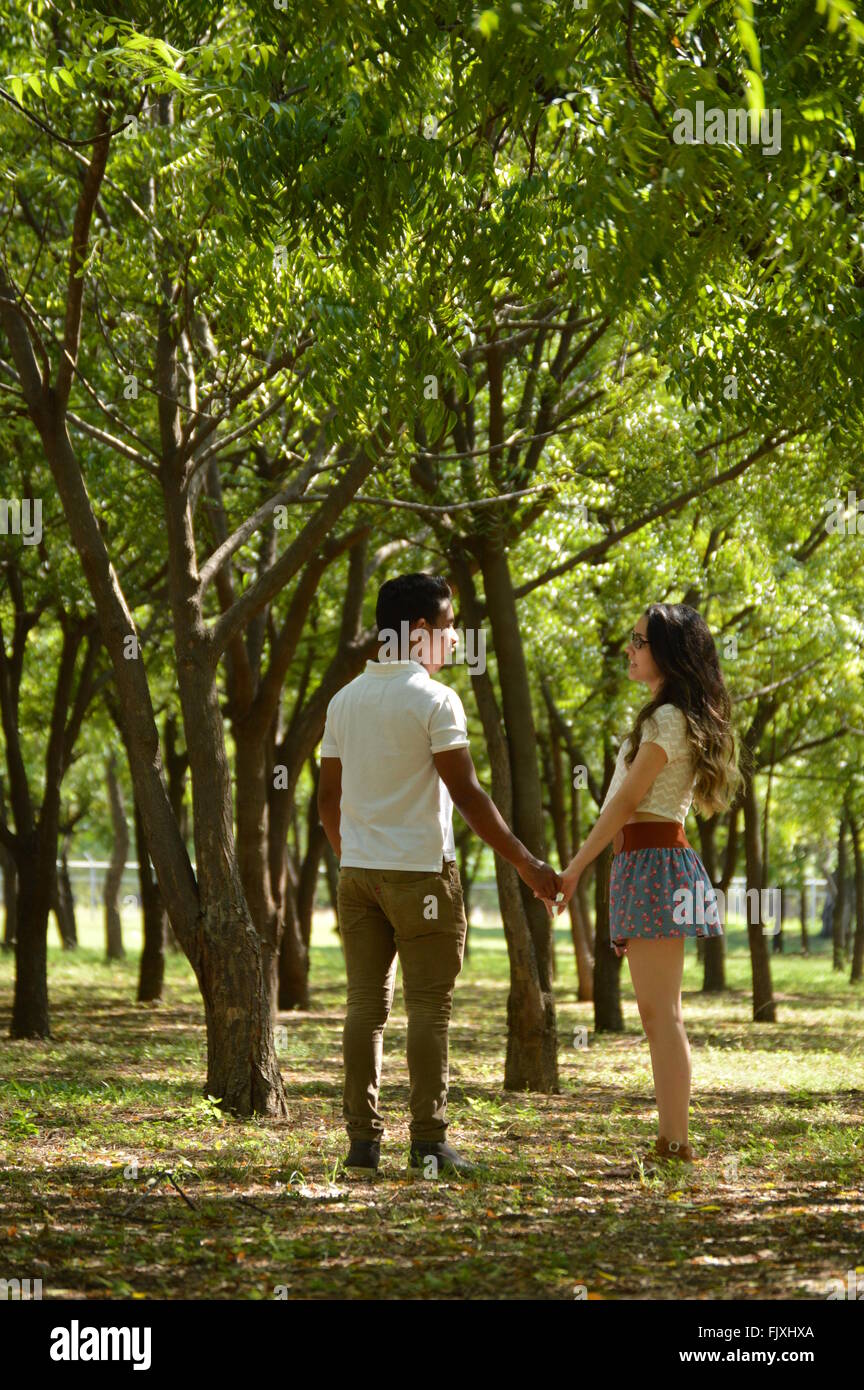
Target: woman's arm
{"type": "Point", "coordinates": [649, 761]}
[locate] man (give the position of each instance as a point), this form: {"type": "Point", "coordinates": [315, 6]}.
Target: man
{"type": "Point", "coordinates": [394, 761]}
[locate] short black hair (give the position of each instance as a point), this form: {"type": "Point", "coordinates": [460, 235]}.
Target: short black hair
{"type": "Point", "coordinates": [409, 597]}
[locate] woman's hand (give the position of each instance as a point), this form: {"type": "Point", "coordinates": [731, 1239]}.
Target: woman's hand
{"type": "Point", "coordinates": [569, 881]}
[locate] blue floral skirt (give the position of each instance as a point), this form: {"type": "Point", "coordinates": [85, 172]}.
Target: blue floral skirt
{"type": "Point", "coordinates": [659, 888]}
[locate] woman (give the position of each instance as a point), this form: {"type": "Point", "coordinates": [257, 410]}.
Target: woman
{"type": "Point", "coordinates": [681, 750]}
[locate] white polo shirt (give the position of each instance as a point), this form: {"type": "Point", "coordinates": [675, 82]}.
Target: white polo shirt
{"type": "Point", "coordinates": [384, 726]}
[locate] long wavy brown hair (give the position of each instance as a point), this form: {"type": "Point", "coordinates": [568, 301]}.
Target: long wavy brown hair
{"type": "Point", "coordinates": [686, 657]}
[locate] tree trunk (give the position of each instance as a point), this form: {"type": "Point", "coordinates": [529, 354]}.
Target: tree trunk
{"type": "Point", "coordinates": [63, 902]}
{"type": "Point", "coordinates": [565, 851]}
{"type": "Point", "coordinates": [858, 944]}
{"type": "Point", "coordinates": [518, 716]}
{"type": "Point", "coordinates": [805, 945]}
{"type": "Point", "coordinates": [531, 1062]}
{"type": "Point", "coordinates": [532, 1038]}
{"type": "Point", "coordinates": [837, 920]}
{"type": "Point", "coordinates": [763, 995]}
{"type": "Point", "coordinates": [176, 768]}
{"type": "Point", "coordinates": [253, 767]}
{"type": "Point", "coordinates": [608, 1014]}
{"type": "Point", "coordinates": [151, 975]}
{"type": "Point", "coordinates": [119, 854]}
{"type": "Point", "coordinates": [469, 851]}
{"type": "Point", "coordinates": [35, 844]}
{"type": "Point", "coordinates": [10, 898]}
{"type": "Point", "coordinates": [293, 977]}
{"type": "Point", "coordinates": [583, 911]}
{"type": "Point", "coordinates": [714, 954]}
{"type": "Point", "coordinates": [211, 916]}
{"type": "Point", "coordinates": [332, 866]}
{"type": "Point", "coordinates": [35, 864]}
{"type": "Point", "coordinates": [242, 1067]}
{"type": "Point", "coordinates": [777, 939]}
{"type": "Point", "coordinates": [308, 881]}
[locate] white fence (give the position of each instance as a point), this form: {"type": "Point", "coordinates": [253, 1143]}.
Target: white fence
{"type": "Point", "coordinates": [87, 877]}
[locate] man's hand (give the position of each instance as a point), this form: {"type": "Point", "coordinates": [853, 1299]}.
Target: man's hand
{"type": "Point", "coordinates": [541, 878]}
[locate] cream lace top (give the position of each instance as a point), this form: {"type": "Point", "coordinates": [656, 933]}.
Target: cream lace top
{"type": "Point", "coordinates": [671, 792]}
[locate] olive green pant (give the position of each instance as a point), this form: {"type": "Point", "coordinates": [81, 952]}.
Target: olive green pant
{"type": "Point", "coordinates": [419, 917]}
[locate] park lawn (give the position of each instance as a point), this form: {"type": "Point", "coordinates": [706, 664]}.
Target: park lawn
{"type": "Point", "coordinates": [120, 1179]}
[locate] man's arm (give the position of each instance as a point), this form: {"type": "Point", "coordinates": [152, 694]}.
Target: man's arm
{"type": "Point", "coordinates": [330, 800]}
{"type": "Point", "coordinates": [456, 770]}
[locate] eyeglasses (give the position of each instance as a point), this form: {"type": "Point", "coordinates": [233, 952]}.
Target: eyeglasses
{"type": "Point", "coordinates": [639, 641]}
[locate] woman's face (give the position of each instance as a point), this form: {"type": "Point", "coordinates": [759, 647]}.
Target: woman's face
{"type": "Point", "coordinates": [640, 664]}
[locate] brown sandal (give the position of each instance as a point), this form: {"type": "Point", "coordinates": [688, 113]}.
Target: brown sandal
{"type": "Point", "coordinates": [673, 1148]}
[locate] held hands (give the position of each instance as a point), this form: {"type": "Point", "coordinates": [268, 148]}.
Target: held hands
{"type": "Point", "coordinates": [568, 882]}
{"type": "Point", "coordinates": [541, 879]}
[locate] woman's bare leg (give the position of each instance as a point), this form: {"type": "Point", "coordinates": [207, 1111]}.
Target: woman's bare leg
{"type": "Point", "coordinates": [656, 969]}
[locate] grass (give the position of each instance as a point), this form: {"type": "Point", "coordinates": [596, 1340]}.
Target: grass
{"type": "Point", "coordinates": [121, 1179]}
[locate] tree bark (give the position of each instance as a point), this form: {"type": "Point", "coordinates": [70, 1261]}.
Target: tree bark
{"type": "Point", "coordinates": [777, 938]}
{"type": "Point", "coordinates": [565, 850]}
{"type": "Point", "coordinates": [838, 917]}
{"type": "Point", "coordinates": [764, 1010]}
{"type": "Point", "coordinates": [253, 769]}
{"type": "Point", "coordinates": [176, 768]}
{"type": "Point", "coordinates": [531, 1063]}
{"type": "Point", "coordinates": [518, 717]}
{"type": "Point", "coordinates": [154, 918]}
{"type": "Point", "coordinates": [35, 863]}
{"type": "Point", "coordinates": [858, 942]}
{"type": "Point", "coordinates": [608, 1014]}
{"type": "Point", "coordinates": [242, 1068]}
{"type": "Point", "coordinates": [805, 944]}
{"type": "Point", "coordinates": [308, 882]}
{"type": "Point", "coordinates": [332, 866]}
{"type": "Point", "coordinates": [63, 901]}
{"type": "Point", "coordinates": [34, 844]}
{"type": "Point", "coordinates": [269, 767]}
{"type": "Point", "coordinates": [10, 898]}
{"type": "Point", "coordinates": [114, 876]}
{"type": "Point", "coordinates": [714, 954]}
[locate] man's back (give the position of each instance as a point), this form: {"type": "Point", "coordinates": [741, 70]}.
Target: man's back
{"type": "Point", "coordinates": [384, 727]}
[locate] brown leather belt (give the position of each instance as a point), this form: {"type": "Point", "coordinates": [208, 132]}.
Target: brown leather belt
{"type": "Point", "coordinates": [648, 834]}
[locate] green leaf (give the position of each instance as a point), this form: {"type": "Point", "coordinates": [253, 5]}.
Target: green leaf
{"type": "Point", "coordinates": [755, 92]}
{"type": "Point", "coordinates": [692, 16]}
{"type": "Point", "coordinates": [17, 89]}
{"type": "Point", "coordinates": [747, 35]}
{"type": "Point", "coordinates": [487, 23]}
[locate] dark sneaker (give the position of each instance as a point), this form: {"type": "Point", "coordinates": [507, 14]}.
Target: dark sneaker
{"type": "Point", "coordinates": [363, 1157]}
{"type": "Point", "coordinates": [436, 1159]}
